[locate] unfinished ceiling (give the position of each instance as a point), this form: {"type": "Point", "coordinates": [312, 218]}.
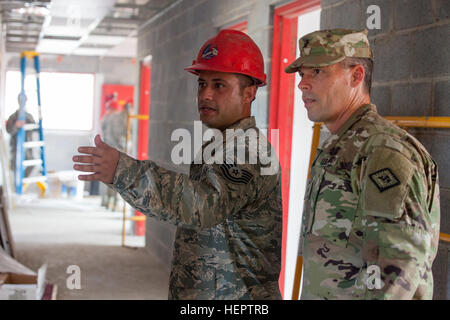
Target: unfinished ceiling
{"type": "Point", "coordinates": [78, 27]}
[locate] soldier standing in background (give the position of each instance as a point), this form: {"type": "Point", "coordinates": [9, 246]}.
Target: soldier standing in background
{"type": "Point", "coordinates": [371, 214]}
{"type": "Point", "coordinates": [13, 126]}
{"type": "Point", "coordinates": [229, 215]}
{"type": "Point", "coordinates": [113, 127]}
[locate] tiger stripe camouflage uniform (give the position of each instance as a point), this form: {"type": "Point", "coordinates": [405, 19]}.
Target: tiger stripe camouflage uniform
{"type": "Point", "coordinates": [229, 218]}
{"type": "Point", "coordinates": [371, 208]}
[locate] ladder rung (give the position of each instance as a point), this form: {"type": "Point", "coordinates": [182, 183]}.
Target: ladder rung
{"type": "Point", "coordinates": [33, 144]}
{"type": "Point", "coordinates": [30, 126]}
{"type": "Point", "coordinates": [33, 162]}
{"type": "Point", "coordinates": [34, 179]}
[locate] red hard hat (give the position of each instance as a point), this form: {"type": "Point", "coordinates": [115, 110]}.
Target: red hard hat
{"type": "Point", "coordinates": [231, 51]}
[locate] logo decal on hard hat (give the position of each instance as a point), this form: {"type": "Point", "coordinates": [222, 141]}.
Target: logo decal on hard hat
{"type": "Point", "coordinates": [209, 52]}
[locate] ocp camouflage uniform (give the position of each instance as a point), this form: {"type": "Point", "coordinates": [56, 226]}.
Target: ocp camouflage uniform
{"type": "Point", "coordinates": [371, 207]}
{"type": "Point", "coordinates": [229, 218]}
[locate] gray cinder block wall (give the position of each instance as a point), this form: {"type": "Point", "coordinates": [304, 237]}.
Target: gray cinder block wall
{"type": "Point", "coordinates": [411, 77]}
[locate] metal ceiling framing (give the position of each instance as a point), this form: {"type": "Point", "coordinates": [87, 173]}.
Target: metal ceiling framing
{"type": "Point", "coordinates": [85, 27]}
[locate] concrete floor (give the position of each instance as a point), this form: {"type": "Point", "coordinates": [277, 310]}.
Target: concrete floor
{"type": "Point", "coordinates": [65, 232]}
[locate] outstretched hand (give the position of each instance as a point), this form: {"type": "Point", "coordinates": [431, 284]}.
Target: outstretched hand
{"type": "Point", "coordinates": [101, 161]}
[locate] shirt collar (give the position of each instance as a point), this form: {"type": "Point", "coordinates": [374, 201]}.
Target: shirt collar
{"type": "Point", "coordinates": [243, 124]}
{"type": "Point", "coordinates": [354, 118]}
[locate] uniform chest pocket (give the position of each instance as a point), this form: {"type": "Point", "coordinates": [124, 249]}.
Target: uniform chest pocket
{"type": "Point", "coordinates": [333, 206]}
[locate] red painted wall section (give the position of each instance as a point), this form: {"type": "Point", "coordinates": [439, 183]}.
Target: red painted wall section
{"type": "Point", "coordinates": [124, 93]}
{"type": "Point", "coordinates": [144, 109]}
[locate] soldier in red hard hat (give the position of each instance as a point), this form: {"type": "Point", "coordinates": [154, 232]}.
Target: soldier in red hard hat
{"type": "Point", "coordinates": [228, 214]}
{"type": "Point", "coordinates": [231, 58]}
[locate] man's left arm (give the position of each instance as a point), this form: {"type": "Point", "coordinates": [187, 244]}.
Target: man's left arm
{"type": "Point", "coordinates": [400, 226]}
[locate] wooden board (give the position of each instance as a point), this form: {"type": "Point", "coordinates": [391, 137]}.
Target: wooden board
{"type": "Point", "coordinates": [3, 278]}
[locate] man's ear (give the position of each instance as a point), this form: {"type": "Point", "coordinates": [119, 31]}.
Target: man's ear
{"type": "Point", "coordinates": [358, 75]}
{"type": "Point", "coordinates": [249, 94]}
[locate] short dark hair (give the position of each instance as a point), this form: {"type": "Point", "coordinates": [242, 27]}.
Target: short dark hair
{"type": "Point", "coordinates": [367, 64]}
{"type": "Point", "coordinates": [246, 81]}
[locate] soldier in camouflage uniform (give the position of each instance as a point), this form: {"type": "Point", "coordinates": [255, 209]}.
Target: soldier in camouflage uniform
{"type": "Point", "coordinates": [114, 131]}
{"type": "Point", "coordinates": [370, 227]}
{"type": "Point", "coordinates": [229, 215]}
{"type": "Point", "coordinates": [13, 126]}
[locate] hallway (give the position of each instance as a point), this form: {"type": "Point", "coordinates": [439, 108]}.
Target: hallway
{"type": "Point", "coordinates": [64, 232]}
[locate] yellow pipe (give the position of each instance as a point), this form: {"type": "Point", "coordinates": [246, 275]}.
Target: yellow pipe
{"type": "Point", "coordinates": [314, 145]}
{"type": "Point", "coordinates": [139, 117]}
{"type": "Point", "coordinates": [137, 218]}
{"type": "Point", "coordinates": [444, 237]}
{"type": "Point", "coordinates": [421, 122]}
{"type": "Point", "coordinates": [125, 218]}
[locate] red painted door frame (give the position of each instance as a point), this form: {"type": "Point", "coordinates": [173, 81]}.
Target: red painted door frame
{"type": "Point", "coordinates": [143, 128]}
{"type": "Point", "coordinates": [281, 114]}
{"type": "Point", "coordinates": [144, 109]}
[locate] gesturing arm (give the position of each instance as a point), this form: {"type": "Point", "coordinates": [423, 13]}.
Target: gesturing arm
{"type": "Point", "coordinates": [174, 197]}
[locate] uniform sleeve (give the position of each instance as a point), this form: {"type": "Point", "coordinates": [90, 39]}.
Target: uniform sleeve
{"type": "Point", "coordinates": [398, 229]}
{"type": "Point", "coordinates": [29, 118]}
{"type": "Point", "coordinates": [175, 198]}
{"type": "Point", "coordinates": [11, 127]}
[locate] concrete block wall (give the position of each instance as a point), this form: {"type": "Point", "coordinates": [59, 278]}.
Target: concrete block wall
{"type": "Point", "coordinates": [411, 75]}
{"type": "Point", "coordinates": [411, 78]}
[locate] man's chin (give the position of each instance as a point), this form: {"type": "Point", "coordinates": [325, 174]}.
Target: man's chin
{"type": "Point", "coordinates": [313, 117]}
{"type": "Point", "coordinates": [207, 122]}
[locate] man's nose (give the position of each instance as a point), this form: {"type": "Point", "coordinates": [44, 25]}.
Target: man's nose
{"type": "Point", "coordinates": [304, 85]}
{"type": "Point", "coordinates": [205, 93]}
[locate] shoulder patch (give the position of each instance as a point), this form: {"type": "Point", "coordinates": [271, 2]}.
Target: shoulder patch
{"type": "Point", "coordinates": [234, 174]}
{"type": "Point", "coordinates": [384, 179]}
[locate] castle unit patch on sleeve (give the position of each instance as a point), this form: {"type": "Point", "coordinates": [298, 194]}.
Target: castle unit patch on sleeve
{"type": "Point", "coordinates": [234, 174]}
{"type": "Point", "coordinates": [384, 179]}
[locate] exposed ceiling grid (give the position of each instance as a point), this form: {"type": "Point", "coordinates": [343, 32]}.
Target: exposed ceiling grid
{"type": "Point", "coordinates": [79, 27]}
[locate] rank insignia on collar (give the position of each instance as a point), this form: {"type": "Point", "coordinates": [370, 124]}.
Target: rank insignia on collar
{"type": "Point", "coordinates": [384, 179]}
{"type": "Point", "coordinates": [234, 174]}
